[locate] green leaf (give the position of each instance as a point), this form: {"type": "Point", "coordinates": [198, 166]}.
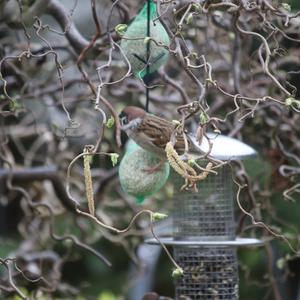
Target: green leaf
{"type": "Point", "coordinates": [286, 6]}
{"type": "Point", "coordinates": [178, 272]}
{"type": "Point", "coordinates": [231, 35]}
{"type": "Point", "coordinates": [114, 158]}
{"type": "Point", "coordinates": [159, 216]}
{"type": "Point", "coordinates": [280, 263]}
{"type": "Point", "coordinates": [189, 19]}
{"type": "Point", "coordinates": [147, 39]}
{"type": "Point", "coordinates": [289, 101]}
{"type": "Point", "coordinates": [191, 162]}
{"type": "Point", "coordinates": [175, 122]}
{"type": "Point", "coordinates": [110, 122]}
{"type": "Point", "coordinates": [197, 7]}
{"type": "Point", "coordinates": [107, 295]}
{"type": "Point", "coordinates": [203, 118]}
{"type": "Point", "coordinates": [194, 55]}
{"type": "Point", "coordinates": [121, 29]}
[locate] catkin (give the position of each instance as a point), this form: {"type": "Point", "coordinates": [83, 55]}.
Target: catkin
{"type": "Point", "coordinates": [88, 183]}
{"type": "Point", "coordinates": [185, 170]}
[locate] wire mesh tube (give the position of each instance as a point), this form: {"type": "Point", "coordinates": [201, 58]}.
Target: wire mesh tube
{"type": "Point", "coordinates": [203, 233]}
{"type": "Point", "coordinates": [210, 272]}
{"type": "Point", "coordinates": [207, 214]}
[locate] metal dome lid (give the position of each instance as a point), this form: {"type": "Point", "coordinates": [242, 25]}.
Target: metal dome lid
{"type": "Point", "coordinates": [226, 148]}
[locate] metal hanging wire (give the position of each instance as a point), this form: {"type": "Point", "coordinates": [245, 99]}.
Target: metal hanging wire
{"type": "Point", "coordinates": [148, 55]}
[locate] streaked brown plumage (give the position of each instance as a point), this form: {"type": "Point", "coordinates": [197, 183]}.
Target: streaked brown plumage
{"type": "Point", "coordinates": [153, 133]}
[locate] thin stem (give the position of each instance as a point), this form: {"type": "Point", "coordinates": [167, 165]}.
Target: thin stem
{"type": "Point", "coordinates": [148, 55]}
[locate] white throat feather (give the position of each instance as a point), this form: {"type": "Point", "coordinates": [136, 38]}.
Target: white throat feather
{"type": "Point", "coordinates": [133, 124]}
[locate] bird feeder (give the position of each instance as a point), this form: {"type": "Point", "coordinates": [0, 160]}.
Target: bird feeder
{"type": "Point", "coordinates": [145, 44]}
{"type": "Point", "coordinates": [203, 240]}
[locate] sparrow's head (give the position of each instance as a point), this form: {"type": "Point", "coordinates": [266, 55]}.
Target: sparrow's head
{"type": "Point", "coordinates": [129, 114]}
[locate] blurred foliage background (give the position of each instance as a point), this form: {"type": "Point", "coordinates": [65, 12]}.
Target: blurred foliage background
{"type": "Point", "coordinates": [51, 252]}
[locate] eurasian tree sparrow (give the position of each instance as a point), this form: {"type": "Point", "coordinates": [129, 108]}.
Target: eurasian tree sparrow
{"type": "Point", "coordinates": [153, 133]}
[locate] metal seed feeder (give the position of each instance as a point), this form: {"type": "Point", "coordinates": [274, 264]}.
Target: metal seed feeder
{"type": "Point", "coordinates": [203, 238]}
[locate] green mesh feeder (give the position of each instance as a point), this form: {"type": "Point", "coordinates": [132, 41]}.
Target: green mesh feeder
{"type": "Point", "coordinates": [135, 179]}
{"type": "Point", "coordinates": [143, 40]}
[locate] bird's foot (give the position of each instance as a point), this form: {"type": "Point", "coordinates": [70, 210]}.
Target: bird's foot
{"type": "Point", "coordinates": [154, 169]}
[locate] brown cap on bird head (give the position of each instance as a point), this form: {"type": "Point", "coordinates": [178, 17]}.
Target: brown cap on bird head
{"type": "Point", "coordinates": [130, 113]}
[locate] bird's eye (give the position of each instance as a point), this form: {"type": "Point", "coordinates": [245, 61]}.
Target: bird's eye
{"type": "Point", "coordinates": [123, 120]}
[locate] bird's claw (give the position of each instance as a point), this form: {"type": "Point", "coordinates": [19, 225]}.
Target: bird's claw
{"type": "Point", "coordinates": [154, 169]}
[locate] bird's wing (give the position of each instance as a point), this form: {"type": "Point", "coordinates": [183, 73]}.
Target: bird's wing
{"type": "Point", "coordinates": [192, 147]}
{"type": "Point", "coordinates": [157, 130]}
